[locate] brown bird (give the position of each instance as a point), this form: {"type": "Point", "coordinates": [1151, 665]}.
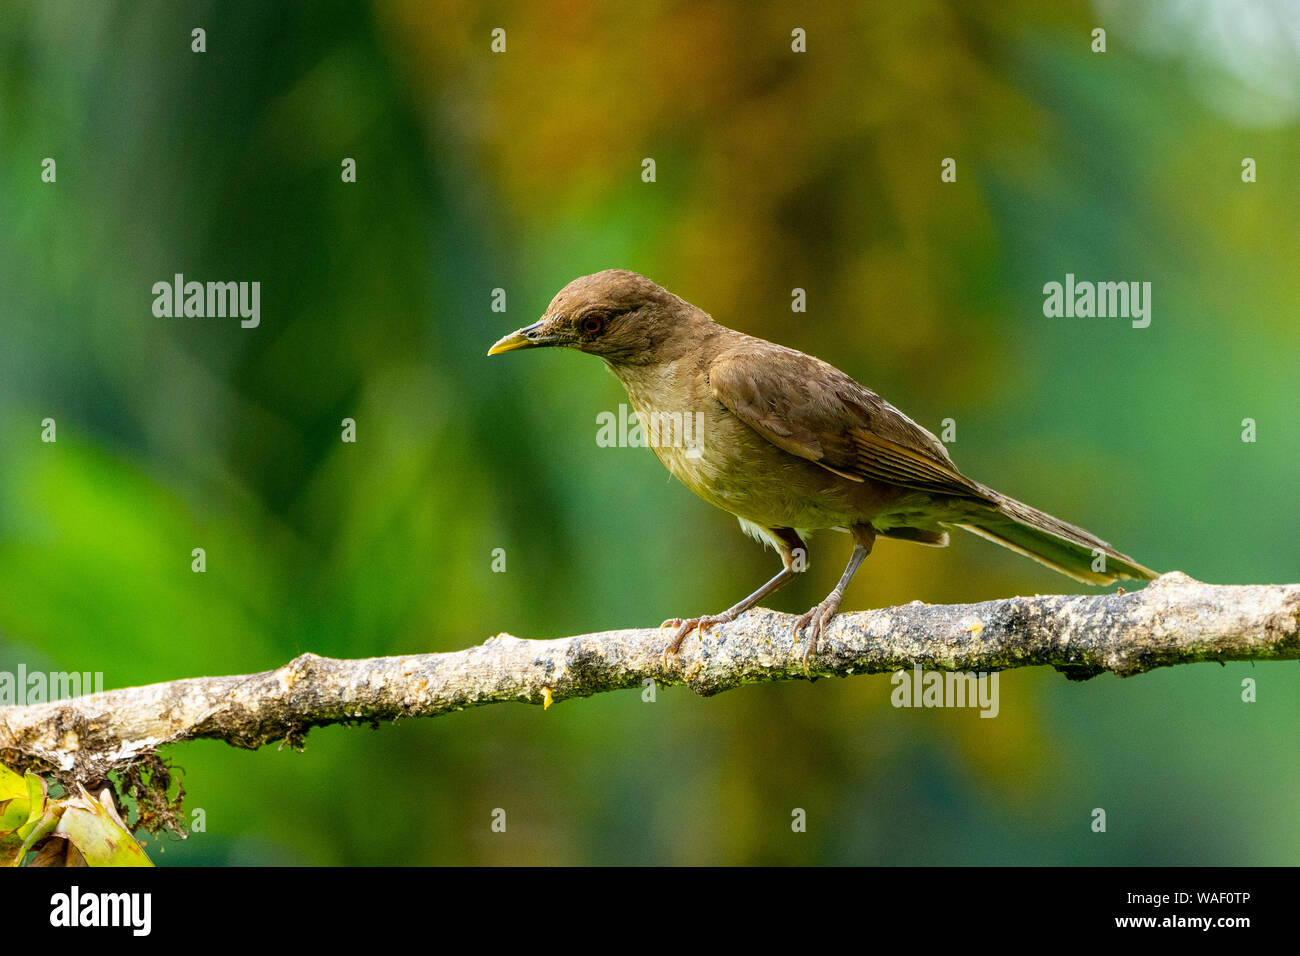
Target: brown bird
{"type": "Point", "coordinates": [789, 444]}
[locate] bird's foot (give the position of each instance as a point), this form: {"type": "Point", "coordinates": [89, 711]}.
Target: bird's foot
{"type": "Point", "coordinates": [815, 621]}
{"type": "Point", "coordinates": [686, 625]}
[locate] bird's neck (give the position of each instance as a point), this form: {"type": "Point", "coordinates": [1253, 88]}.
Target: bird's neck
{"type": "Point", "coordinates": [679, 374]}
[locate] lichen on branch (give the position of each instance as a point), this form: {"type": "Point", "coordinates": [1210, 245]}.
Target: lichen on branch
{"type": "Point", "coordinates": [1174, 620]}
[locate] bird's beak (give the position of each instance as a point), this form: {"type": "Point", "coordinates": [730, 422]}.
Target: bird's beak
{"type": "Point", "coordinates": [529, 337]}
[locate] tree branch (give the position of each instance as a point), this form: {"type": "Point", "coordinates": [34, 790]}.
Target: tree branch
{"type": "Point", "coordinates": [1174, 620]}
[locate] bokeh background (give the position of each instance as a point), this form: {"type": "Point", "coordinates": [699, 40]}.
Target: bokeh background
{"type": "Point", "coordinates": [521, 170]}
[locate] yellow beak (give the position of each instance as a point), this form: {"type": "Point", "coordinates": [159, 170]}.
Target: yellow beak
{"type": "Point", "coordinates": [529, 337]}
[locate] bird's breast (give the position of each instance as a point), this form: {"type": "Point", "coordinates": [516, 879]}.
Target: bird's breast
{"type": "Point", "coordinates": [727, 463]}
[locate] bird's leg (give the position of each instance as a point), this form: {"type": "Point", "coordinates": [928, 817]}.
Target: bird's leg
{"type": "Point", "coordinates": [787, 542]}
{"type": "Point", "coordinates": [685, 626]}
{"type": "Point", "coordinates": [816, 619]}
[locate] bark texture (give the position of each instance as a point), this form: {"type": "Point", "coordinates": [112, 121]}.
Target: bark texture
{"type": "Point", "coordinates": [1174, 620]}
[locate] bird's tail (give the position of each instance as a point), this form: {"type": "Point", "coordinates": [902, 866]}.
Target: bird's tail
{"type": "Point", "coordinates": [1050, 541]}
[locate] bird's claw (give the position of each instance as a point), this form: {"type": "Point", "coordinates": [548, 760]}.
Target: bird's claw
{"type": "Point", "coordinates": [685, 626]}
{"type": "Point", "coordinates": [815, 620]}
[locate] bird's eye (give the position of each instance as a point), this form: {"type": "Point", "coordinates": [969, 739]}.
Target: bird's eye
{"type": "Point", "coordinates": [593, 323]}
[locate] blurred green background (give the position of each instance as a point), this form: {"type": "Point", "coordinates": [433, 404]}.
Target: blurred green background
{"type": "Point", "coordinates": [521, 170]}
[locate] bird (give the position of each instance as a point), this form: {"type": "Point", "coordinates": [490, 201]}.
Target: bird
{"type": "Point", "coordinates": [789, 445]}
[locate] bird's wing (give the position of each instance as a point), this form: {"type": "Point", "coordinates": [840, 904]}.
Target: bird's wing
{"type": "Point", "coordinates": [813, 410]}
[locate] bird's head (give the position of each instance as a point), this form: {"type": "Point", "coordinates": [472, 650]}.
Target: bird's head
{"type": "Point", "coordinates": [623, 317]}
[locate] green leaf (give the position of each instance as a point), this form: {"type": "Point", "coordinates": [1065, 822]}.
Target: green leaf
{"type": "Point", "coordinates": [13, 814]}
{"type": "Point", "coordinates": [38, 795]}
{"type": "Point", "coordinates": [11, 784]}
{"type": "Point", "coordinates": [95, 830]}
{"type": "Point", "coordinates": [14, 805]}
{"type": "Point", "coordinates": [36, 830]}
